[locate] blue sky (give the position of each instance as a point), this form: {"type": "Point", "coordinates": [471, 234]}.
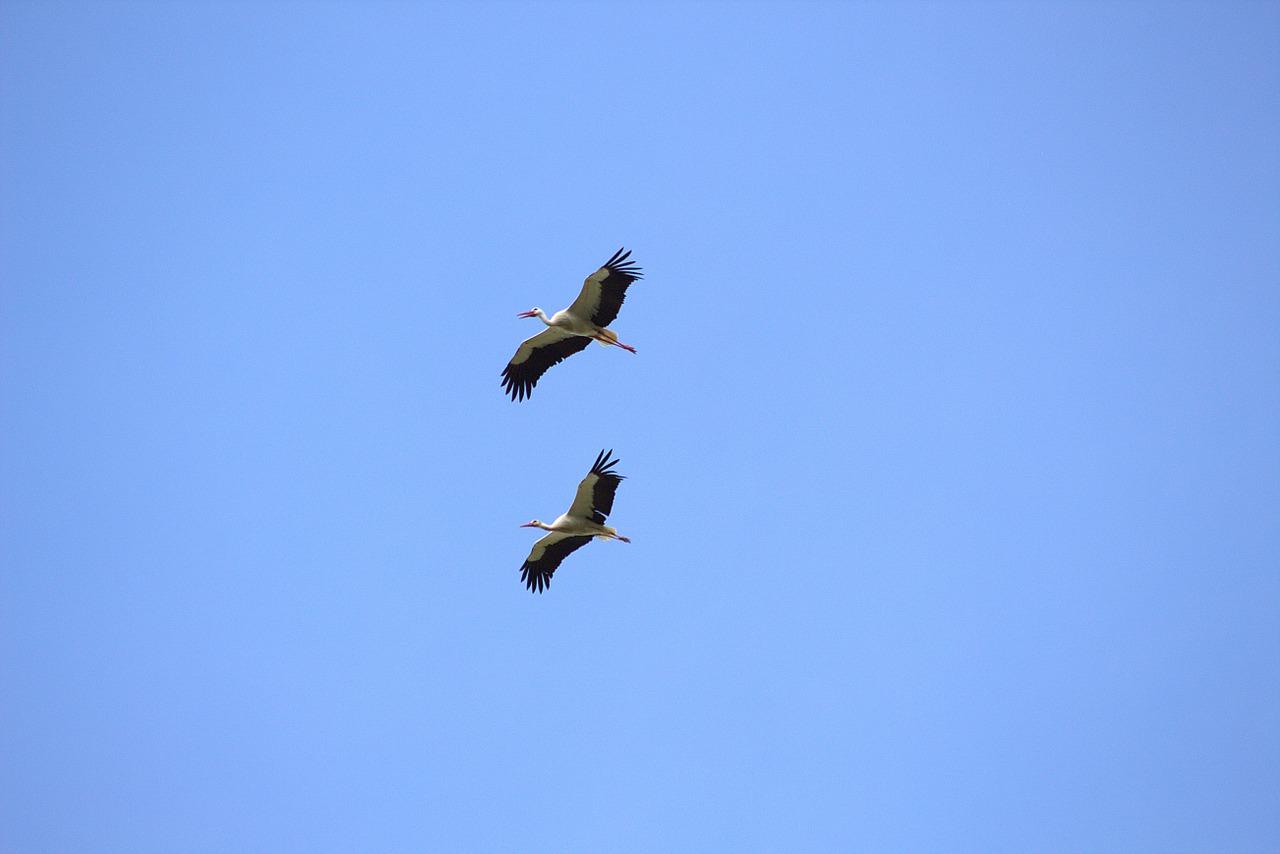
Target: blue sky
{"type": "Point", "coordinates": [952, 441]}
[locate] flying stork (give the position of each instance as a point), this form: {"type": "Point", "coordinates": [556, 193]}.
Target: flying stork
{"type": "Point", "coordinates": [572, 330]}
{"type": "Point", "coordinates": [584, 520]}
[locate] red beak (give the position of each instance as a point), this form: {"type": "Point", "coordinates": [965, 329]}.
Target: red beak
{"type": "Point", "coordinates": [528, 525]}
{"type": "Point", "coordinates": [526, 314]}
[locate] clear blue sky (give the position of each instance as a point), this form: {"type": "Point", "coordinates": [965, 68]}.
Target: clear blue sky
{"type": "Point", "coordinates": [952, 442]}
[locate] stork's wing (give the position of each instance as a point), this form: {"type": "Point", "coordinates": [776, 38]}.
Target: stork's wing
{"type": "Point", "coordinates": [547, 554]}
{"type": "Point", "coordinates": [605, 289]}
{"type": "Point", "coordinates": [549, 347]}
{"type": "Point", "coordinates": [594, 500]}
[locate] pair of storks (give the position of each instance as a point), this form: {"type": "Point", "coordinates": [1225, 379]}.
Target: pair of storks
{"type": "Point", "coordinates": [568, 332]}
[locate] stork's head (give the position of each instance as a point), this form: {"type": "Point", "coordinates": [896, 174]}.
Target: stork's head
{"type": "Point", "coordinates": [534, 524]}
{"type": "Point", "coordinates": [533, 312]}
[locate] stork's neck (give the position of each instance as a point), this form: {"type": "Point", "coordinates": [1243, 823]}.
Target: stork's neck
{"type": "Point", "coordinates": [542, 315]}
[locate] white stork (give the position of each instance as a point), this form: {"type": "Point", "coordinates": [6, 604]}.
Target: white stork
{"type": "Point", "coordinates": [573, 530]}
{"type": "Point", "coordinates": [572, 330]}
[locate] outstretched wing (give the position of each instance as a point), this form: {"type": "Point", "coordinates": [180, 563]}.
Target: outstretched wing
{"type": "Point", "coordinates": [547, 554]}
{"type": "Point", "coordinates": [549, 347]}
{"type": "Point", "coordinates": [594, 500]}
{"type": "Point", "coordinates": [605, 289]}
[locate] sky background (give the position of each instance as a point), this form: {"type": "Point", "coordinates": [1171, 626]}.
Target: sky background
{"type": "Point", "coordinates": [952, 441]}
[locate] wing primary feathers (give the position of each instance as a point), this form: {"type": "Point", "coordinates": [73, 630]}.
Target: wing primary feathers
{"type": "Point", "coordinates": [603, 464]}
{"type": "Point", "coordinates": [536, 574]}
{"type": "Point", "coordinates": [613, 287]}
{"type": "Point", "coordinates": [606, 487]}
{"type": "Point", "coordinates": [519, 378]}
{"type": "Point", "coordinates": [619, 264]}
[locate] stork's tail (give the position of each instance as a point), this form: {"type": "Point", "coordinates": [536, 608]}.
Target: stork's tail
{"type": "Point", "coordinates": [609, 338]}
{"type": "Point", "coordinates": [611, 533]}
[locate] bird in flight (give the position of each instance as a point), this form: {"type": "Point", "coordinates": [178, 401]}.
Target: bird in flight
{"type": "Point", "coordinates": [572, 330]}
{"type": "Point", "coordinates": [584, 520]}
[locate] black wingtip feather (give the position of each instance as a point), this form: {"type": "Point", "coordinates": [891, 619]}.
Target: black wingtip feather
{"type": "Point", "coordinates": [604, 466]}
{"type": "Point", "coordinates": [619, 264]}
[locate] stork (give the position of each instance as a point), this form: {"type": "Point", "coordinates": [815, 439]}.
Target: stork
{"type": "Point", "coordinates": [584, 520]}
{"type": "Point", "coordinates": [572, 330]}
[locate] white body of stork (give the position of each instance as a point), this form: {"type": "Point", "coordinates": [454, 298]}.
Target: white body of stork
{"type": "Point", "coordinates": [572, 330]}
{"type": "Point", "coordinates": [573, 530]}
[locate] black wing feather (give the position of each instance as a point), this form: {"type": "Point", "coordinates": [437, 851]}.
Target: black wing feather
{"type": "Point", "coordinates": [537, 574]}
{"type": "Point", "coordinates": [613, 290]}
{"type": "Point", "coordinates": [518, 379]}
{"type": "Point", "coordinates": [606, 487]}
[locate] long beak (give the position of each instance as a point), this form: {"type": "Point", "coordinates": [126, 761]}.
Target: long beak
{"type": "Point", "coordinates": [528, 525]}
{"type": "Point", "coordinates": [527, 314]}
